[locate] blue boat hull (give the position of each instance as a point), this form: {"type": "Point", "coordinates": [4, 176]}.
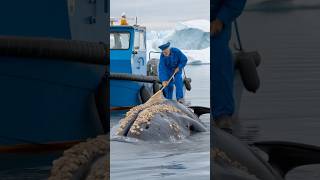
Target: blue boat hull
{"type": "Point", "coordinates": [45, 101]}
{"type": "Point", "coordinates": [124, 93]}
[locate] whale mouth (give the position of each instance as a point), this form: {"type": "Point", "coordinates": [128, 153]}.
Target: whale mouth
{"type": "Point", "coordinates": [127, 129]}
{"type": "Point", "coordinates": [125, 126]}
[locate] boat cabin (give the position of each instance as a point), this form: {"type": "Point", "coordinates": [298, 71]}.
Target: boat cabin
{"type": "Point", "coordinates": [128, 49]}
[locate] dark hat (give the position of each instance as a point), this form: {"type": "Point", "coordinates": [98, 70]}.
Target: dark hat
{"type": "Point", "coordinates": [164, 46]}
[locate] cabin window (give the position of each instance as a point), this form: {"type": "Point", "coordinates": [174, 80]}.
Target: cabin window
{"type": "Point", "coordinates": [142, 41]}
{"type": "Point", "coordinates": [119, 40]}
{"type": "Point", "coordinates": [136, 40]}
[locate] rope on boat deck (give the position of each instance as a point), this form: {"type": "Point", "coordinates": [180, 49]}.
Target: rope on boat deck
{"type": "Point", "coordinates": [88, 161]}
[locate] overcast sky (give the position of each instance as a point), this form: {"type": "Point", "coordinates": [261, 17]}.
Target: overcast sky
{"type": "Point", "coordinates": [161, 14]}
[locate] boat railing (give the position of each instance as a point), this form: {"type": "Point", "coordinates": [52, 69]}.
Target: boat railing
{"type": "Point", "coordinates": [153, 52]}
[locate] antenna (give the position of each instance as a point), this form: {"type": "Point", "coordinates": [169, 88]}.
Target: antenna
{"type": "Point", "coordinates": [136, 12]}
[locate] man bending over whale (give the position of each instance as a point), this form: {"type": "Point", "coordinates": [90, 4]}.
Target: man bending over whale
{"type": "Point", "coordinates": [172, 60]}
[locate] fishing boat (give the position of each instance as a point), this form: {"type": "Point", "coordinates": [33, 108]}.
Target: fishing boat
{"type": "Point", "coordinates": [53, 62]}
{"type": "Point", "coordinates": [133, 78]}
{"type": "Point", "coordinates": [127, 56]}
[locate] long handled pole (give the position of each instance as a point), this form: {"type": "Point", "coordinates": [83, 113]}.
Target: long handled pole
{"type": "Point", "coordinates": [163, 86]}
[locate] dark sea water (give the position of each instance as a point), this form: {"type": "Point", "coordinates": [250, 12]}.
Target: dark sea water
{"type": "Point", "coordinates": [287, 105]}
{"type": "Point", "coordinates": [26, 166]}
{"type": "Point", "coordinates": [188, 160]}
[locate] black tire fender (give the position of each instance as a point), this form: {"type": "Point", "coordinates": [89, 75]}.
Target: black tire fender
{"type": "Point", "coordinates": [156, 87]}
{"type": "Point", "coordinates": [145, 94]}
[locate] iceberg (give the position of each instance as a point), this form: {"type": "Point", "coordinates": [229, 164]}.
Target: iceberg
{"type": "Point", "coordinates": [192, 37]}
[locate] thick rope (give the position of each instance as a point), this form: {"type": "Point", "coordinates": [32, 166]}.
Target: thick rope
{"type": "Point", "coordinates": [88, 160]}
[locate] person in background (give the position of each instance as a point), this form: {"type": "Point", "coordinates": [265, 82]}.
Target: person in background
{"type": "Point", "coordinates": [223, 13]}
{"type": "Point", "coordinates": [123, 20]}
{"type": "Point", "coordinates": [172, 60]}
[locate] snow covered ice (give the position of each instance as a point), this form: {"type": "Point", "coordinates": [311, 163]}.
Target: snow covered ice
{"type": "Point", "coordinates": [191, 37]}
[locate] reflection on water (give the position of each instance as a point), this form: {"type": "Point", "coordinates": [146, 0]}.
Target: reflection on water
{"type": "Point", "coordinates": [39, 173]}
{"type": "Point", "coordinates": [173, 161]}
{"type": "Point", "coordinates": [286, 107]}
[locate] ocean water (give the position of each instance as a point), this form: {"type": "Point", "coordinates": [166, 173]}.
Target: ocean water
{"type": "Point", "coordinates": [188, 160]}
{"type": "Point", "coordinates": [27, 166]}
{"type": "Point", "coordinates": [286, 107]}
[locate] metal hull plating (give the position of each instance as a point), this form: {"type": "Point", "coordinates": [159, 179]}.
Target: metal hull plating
{"type": "Point", "coordinates": [46, 100]}
{"type": "Point", "coordinates": [124, 93]}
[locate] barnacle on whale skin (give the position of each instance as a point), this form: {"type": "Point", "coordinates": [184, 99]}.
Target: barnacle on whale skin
{"type": "Point", "coordinates": [218, 154]}
{"type": "Point", "coordinates": [144, 113]}
{"type": "Point", "coordinates": [136, 110]}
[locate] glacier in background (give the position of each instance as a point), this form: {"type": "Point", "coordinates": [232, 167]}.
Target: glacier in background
{"type": "Point", "coordinates": [192, 37]}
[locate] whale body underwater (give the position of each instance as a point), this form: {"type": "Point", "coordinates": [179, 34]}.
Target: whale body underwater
{"type": "Point", "coordinates": [160, 120]}
{"type": "Point", "coordinates": [231, 159]}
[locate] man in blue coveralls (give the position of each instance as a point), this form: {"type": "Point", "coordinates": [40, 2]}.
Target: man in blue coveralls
{"type": "Point", "coordinates": [223, 13]}
{"type": "Point", "coordinates": [172, 60]}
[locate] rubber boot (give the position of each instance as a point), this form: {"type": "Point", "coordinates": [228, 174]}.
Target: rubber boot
{"type": "Point", "coordinates": [224, 123]}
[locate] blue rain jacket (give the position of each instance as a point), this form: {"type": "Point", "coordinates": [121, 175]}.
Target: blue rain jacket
{"type": "Point", "coordinates": [226, 10]}
{"type": "Point", "coordinates": [167, 65]}
{"type": "Point", "coordinates": [222, 65]}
